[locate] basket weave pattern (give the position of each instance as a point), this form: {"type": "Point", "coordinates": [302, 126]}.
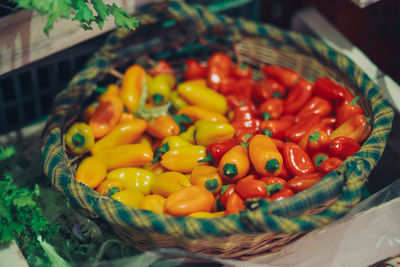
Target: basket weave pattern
{"type": "Point", "coordinates": [265, 227]}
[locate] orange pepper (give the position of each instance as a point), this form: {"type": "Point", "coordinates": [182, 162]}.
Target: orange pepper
{"type": "Point", "coordinates": [264, 155]}
{"type": "Point", "coordinates": [154, 203]}
{"type": "Point", "coordinates": [189, 200]}
{"type": "Point", "coordinates": [162, 127]}
{"type": "Point", "coordinates": [356, 127]}
{"type": "Point", "coordinates": [131, 87]}
{"type": "Point", "coordinates": [132, 155]}
{"type": "Point", "coordinates": [91, 172]}
{"type": "Point", "coordinates": [112, 90]}
{"type": "Point", "coordinates": [89, 111]}
{"type": "Point", "coordinates": [168, 182]}
{"type": "Point", "coordinates": [208, 177]}
{"type": "Point", "coordinates": [106, 116]}
{"type": "Point", "coordinates": [110, 187]}
{"type": "Point", "coordinates": [125, 116]}
{"type": "Point", "coordinates": [122, 134]}
{"type": "Point", "coordinates": [235, 163]}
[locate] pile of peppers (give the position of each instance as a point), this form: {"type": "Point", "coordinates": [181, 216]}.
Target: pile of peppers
{"type": "Point", "coordinates": [223, 138]}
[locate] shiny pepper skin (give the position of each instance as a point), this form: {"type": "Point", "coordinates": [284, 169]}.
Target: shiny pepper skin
{"type": "Point", "coordinates": [154, 203]}
{"type": "Point", "coordinates": [343, 147]}
{"type": "Point", "coordinates": [235, 164]}
{"type": "Point", "coordinates": [184, 159]}
{"type": "Point", "coordinates": [159, 89]}
{"type": "Point", "coordinates": [130, 197]}
{"type": "Point", "coordinates": [297, 160]}
{"type": "Point", "coordinates": [264, 155]}
{"type": "Point", "coordinates": [79, 138]}
{"type": "Point", "coordinates": [162, 127]}
{"type": "Point", "coordinates": [298, 97]}
{"type": "Point", "coordinates": [168, 182]}
{"type": "Point", "coordinates": [208, 132]}
{"type": "Point", "coordinates": [134, 178]}
{"type": "Point", "coordinates": [110, 187]}
{"type": "Point", "coordinates": [251, 188]}
{"type": "Point", "coordinates": [131, 87]}
{"type": "Point", "coordinates": [330, 164]}
{"type": "Point", "coordinates": [271, 109]}
{"type": "Point", "coordinates": [91, 172]}
{"type": "Point", "coordinates": [208, 177]}
{"type": "Point", "coordinates": [234, 204]}
{"type": "Point", "coordinates": [356, 127]}
{"type": "Point", "coordinates": [122, 134]}
{"type": "Point", "coordinates": [198, 113]}
{"type": "Point", "coordinates": [189, 200]}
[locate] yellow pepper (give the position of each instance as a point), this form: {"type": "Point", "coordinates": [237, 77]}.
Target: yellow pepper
{"type": "Point", "coordinates": [112, 90]}
{"type": "Point", "coordinates": [177, 101]}
{"type": "Point", "coordinates": [145, 140]}
{"type": "Point", "coordinates": [160, 89]}
{"type": "Point", "coordinates": [197, 113]}
{"type": "Point", "coordinates": [133, 178]}
{"type": "Point", "coordinates": [207, 177]}
{"type": "Point", "coordinates": [163, 126]}
{"type": "Point", "coordinates": [189, 200]}
{"type": "Point", "coordinates": [208, 132]}
{"type": "Point", "coordinates": [132, 155]}
{"type": "Point", "coordinates": [203, 97]}
{"type": "Point", "coordinates": [188, 135]}
{"type": "Point", "coordinates": [126, 116]}
{"type": "Point", "coordinates": [121, 134]}
{"type": "Point", "coordinates": [155, 168]}
{"type": "Point", "coordinates": [154, 203]}
{"type": "Point", "coordinates": [130, 197]}
{"type": "Point", "coordinates": [110, 187]}
{"type": "Point", "coordinates": [184, 159]}
{"type": "Point", "coordinates": [91, 172]}
{"type": "Point", "coordinates": [175, 141]}
{"type": "Point", "coordinates": [131, 87]}
{"type": "Point", "coordinates": [79, 138]}
{"type": "Point", "coordinates": [168, 182]}
{"type": "Point", "coordinates": [204, 214]}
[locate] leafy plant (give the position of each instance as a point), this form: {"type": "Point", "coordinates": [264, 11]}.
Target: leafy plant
{"type": "Point", "coordinates": [86, 12]}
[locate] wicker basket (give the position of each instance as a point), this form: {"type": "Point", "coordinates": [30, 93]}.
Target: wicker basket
{"type": "Point", "coordinates": [264, 227]}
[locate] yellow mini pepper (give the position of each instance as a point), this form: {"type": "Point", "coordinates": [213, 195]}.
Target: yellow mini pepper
{"type": "Point", "coordinates": [154, 203]}
{"type": "Point", "coordinates": [208, 177]}
{"type": "Point", "coordinates": [162, 127]}
{"type": "Point", "coordinates": [91, 172]}
{"type": "Point", "coordinates": [203, 97]}
{"type": "Point", "coordinates": [130, 197]}
{"type": "Point", "coordinates": [79, 138]}
{"type": "Point", "coordinates": [184, 159]}
{"type": "Point", "coordinates": [208, 132]}
{"type": "Point", "coordinates": [177, 101]}
{"type": "Point", "coordinates": [188, 135]}
{"type": "Point", "coordinates": [131, 87]}
{"type": "Point", "coordinates": [168, 182]}
{"type": "Point", "coordinates": [198, 113]}
{"type": "Point", "coordinates": [134, 178]}
{"type": "Point", "coordinates": [160, 89]}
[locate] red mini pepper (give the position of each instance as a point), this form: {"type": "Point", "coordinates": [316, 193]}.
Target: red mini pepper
{"type": "Point", "coordinates": [161, 67]}
{"type": "Point", "coordinates": [226, 192]}
{"type": "Point", "coordinates": [278, 128]}
{"type": "Point", "coordinates": [318, 158]}
{"type": "Point", "coordinates": [318, 141]}
{"type": "Point", "coordinates": [303, 182]}
{"type": "Point", "coordinates": [300, 129]}
{"type": "Point", "coordinates": [317, 127]}
{"type": "Point", "coordinates": [194, 70]}
{"type": "Point", "coordinates": [251, 188]}
{"type": "Point", "coordinates": [287, 77]}
{"type": "Point", "coordinates": [316, 105]}
{"type": "Point", "coordinates": [297, 160]}
{"type": "Point", "coordinates": [356, 127]}
{"type": "Point", "coordinates": [328, 89]}
{"type": "Point", "coordinates": [246, 87]}
{"type": "Point", "coordinates": [269, 180]}
{"type": "Point", "coordinates": [242, 71]}
{"type": "Point", "coordinates": [234, 204]}
{"type": "Point", "coordinates": [235, 100]}
{"type": "Point", "coordinates": [268, 88]}
{"type": "Point", "coordinates": [329, 121]}
{"type": "Point", "coordinates": [271, 109]}
{"type": "Point", "coordinates": [219, 67]}
{"type": "Point", "coordinates": [298, 97]}
{"type": "Point", "coordinates": [218, 149]}
{"type": "Point", "coordinates": [284, 193]}
{"type": "Point", "coordinates": [229, 85]}
{"type": "Point", "coordinates": [244, 121]}
{"type": "Point", "coordinates": [330, 164]}
{"type": "Point", "coordinates": [343, 147]}
{"type": "Point", "coordinates": [347, 110]}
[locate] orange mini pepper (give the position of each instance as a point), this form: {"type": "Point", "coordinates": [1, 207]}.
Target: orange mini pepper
{"type": "Point", "coordinates": [208, 177]}
{"type": "Point", "coordinates": [189, 200]}
{"type": "Point", "coordinates": [131, 87]}
{"type": "Point", "coordinates": [106, 116]}
{"type": "Point", "coordinates": [356, 127]}
{"type": "Point", "coordinates": [91, 172]}
{"type": "Point", "coordinates": [264, 155]}
{"type": "Point", "coordinates": [154, 203]}
{"type": "Point", "coordinates": [110, 187]}
{"type": "Point", "coordinates": [162, 127]}
{"type": "Point", "coordinates": [235, 164]}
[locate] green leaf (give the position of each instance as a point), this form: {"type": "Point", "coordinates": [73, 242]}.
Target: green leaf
{"type": "Point", "coordinates": [101, 9]}
{"type": "Point", "coordinates": [83, 14]}
{"type": "Point", "coordinates": [122, 18]}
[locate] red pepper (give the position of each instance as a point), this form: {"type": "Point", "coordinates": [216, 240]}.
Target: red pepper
{"type": "Point", "coordinates": [271, 109]}
{"type": "Point", "coordinates": [317, 127]}
{"type": "Point", "coordinates": [194, 70]}
{"type": "Point", "coordinates": [162, 67]}
{"type": "Point", "coordinates": [251, 188]}
{"type": "Point", "coordinates": [347, 110]}
{"type": "Point", "coordinates": [242, 71]}
{"type": "Point", "coordinates": [219, 67]}
{"type": "Point", "coordinates": [330, 164]}
{"type": "Point", "coordinates": [245, 88]}
{"type": "Point", "coordinates": [356, 127]}
{"type": "Point", "coordinates": [277, 127]}
{"type": "Point", "coordinates": [284, 193]}
{"type": "Point", "coordinates": [234, 204]}
{"type": "Point", "coordinates": [218, 149]}
{"type": "Point", "coordinates": [268, 88]}
{"type": "Point", "coordinates": [315, 105]}
{"type": "Point", "coordinates": [329, 121]}
{"type": "Point", "coordinates": [297, 160]}
{"type": "Point", "coordinates": [318, 158]}
{"type": "Point", "coordinates": [298, 97]}
{"type": "Point", "coordinates": [226, 192]}
{"type": "Point", "coordinates": [326, 88]}
{"type": "Point", "coordinates": [343, 147]}
{"type": "Point", "coordinates": [286, 77]}
{"type": "Point", "coordinates": [235, 100]}
{"type": "Point", "coordinates": [348, 96]}
{"type": "Point", "coordinates": [274, 180]}
{"type": "Point", "coordinates": [229, 85]}
{"type": "Point", "coordinates": [300, 129]}
{"type": "Point", "coordinates": [303, 182]}
{"type": "Point", "coordinates": [317, 142]}
{"type": "Point", "coordinates": [278, 143]}
{"type": "Point", "coordinates": [244, 121]}
{"type": "Point", "coordinates": [284, 172]}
